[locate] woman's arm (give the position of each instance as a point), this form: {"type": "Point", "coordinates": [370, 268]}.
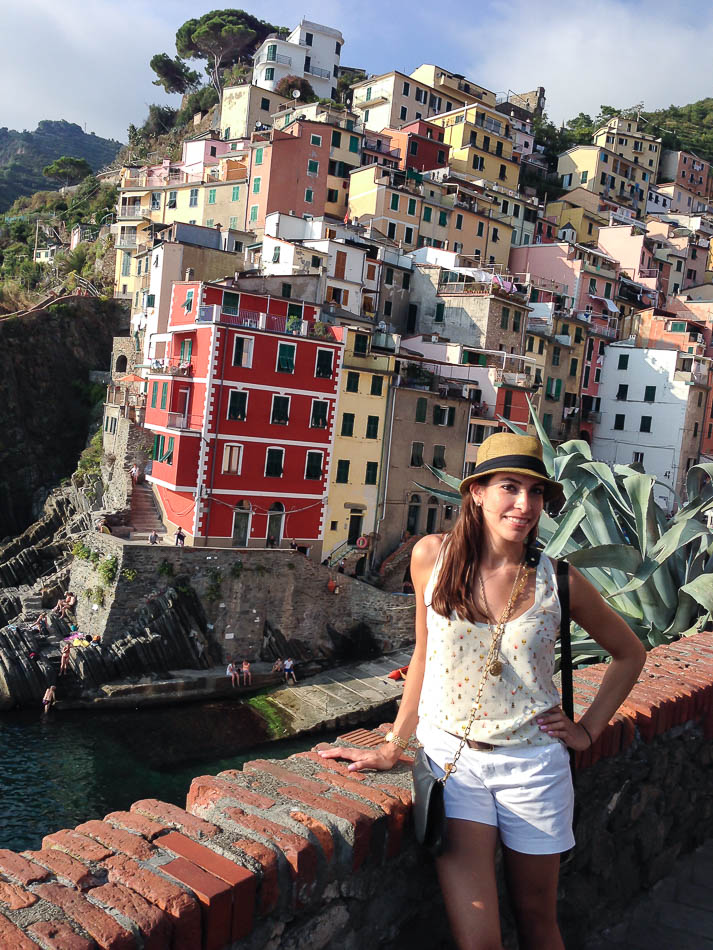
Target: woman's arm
{"type": "Point", "coordinates": [603, 624]}
{"type": "Point", "coordinates": [385, 756]}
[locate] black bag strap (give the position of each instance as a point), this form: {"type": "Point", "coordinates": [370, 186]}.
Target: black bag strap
{"type": "Point", "coordinates": [565, 639]}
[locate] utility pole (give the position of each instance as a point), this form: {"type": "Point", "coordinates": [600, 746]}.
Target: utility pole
{"type": "Point", "coordinates": [37, 231]}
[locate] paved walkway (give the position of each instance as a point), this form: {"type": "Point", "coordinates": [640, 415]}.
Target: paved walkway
{"type": "Point", "coordinates": [677, 914]}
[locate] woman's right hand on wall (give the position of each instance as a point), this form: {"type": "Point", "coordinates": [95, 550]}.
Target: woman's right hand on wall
{"type": "Point", "coordinates": [383, 758]}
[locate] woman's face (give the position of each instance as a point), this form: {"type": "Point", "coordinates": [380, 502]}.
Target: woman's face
{"type": "Point", "coordinates": [511, 504]}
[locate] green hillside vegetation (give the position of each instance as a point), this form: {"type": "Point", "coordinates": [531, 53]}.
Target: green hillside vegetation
{"type": "Point", "coordinates": [23, 155]}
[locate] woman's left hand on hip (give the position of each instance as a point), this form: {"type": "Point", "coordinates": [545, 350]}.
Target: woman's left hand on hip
{"type": "Point", "coordinates": [556, 724]}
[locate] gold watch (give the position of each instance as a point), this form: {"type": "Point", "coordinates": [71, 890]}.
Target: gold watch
{"type": "Point", "coordinates": [397, 740]}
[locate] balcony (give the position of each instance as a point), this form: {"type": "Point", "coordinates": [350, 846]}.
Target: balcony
{"type": "Point", "coordinates": [599, 270]}
{"type": "Point", "coordinates": [177, 420]}
{"type": "Point", "coordinates": [595, 417]}
{"type": "Point", "coordinates": [275, 58]}
{"type": "Point", "coordinates": [691, 377]}
{"type": "Point", "coordinates": [502, 377]}
{"type": "Point", "coordinates": [127, 242]}
{"type": "Point", "coordinates": [318, 71]}
{"type": "Point", "coordinates": [648, 272]}
{"type": "Point", "coordinates": [132, 213]}
{"type": "Point", "coordinates": [376, 100]}
{"type": "Point", "coordinates": [171, 367]}
{"type": "Point", "coordinates": [255, 320]}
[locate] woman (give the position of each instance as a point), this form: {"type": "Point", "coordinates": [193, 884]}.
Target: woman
{"type": "Point", "coordinates": [232, 672]}
{"type": "Point", "coordinates": [246, 674]}
{"type": "Point", "coordinates": [484, 616]}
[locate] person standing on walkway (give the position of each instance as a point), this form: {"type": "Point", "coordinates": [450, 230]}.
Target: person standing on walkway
{"type": "Point", "coordinates": [480, 688]}
{"type": "Point", "coordinates": [180, 538]}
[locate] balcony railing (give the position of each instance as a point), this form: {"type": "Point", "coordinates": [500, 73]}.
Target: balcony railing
{"type": "Point", "coordinates": [318, 71]}
{"type": "Point", "coordinates": [512, 379]}
{"type": "Point", "coordinates": [177, 420]}
{"type": "Point", "coordinates": [275, 58]}
{"type": "Point", "coordinates": [171, 367]}
{"type": "Point", "coordinates": [127, 242]}
{"type": "Point", "coordinates": [648, 272]}
{"type": "Point", "coordinates": [133, 212]}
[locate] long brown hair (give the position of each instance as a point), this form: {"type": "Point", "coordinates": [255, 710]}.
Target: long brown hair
{"type": "Point", "coordinates": [455, 586]}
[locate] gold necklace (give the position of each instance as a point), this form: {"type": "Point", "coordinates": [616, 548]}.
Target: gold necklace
{"type": "Point", "coordinates": [493, 663]}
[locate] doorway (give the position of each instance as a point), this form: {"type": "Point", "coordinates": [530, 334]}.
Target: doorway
{"type": "Point", "coordinates": [414, 514]}
{"type": "Point", "coordinates": [241, 525]}
{"type": "Point", "coordinates": [355, 526]}
{"type": "Point", "coordinates": [276, 522]}
{"type": "Point", "coordinates": [432, 515]}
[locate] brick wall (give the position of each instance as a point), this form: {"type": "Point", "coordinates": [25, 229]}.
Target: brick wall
{"type": "Point", "coordinates": [245, 593]}
{"type": "Point", "coordinates": [300, 853]}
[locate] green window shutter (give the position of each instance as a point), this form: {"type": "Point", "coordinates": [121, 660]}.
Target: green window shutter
{"type": "Point", "coordinates": [353, 143]}
{"type": "Point", "coordinates": [440, 310]}
{"type": "Point", "coordinates": [451, 420]}
{"type": "Point", "coordinates": [427, 213]}
{"type": "Point", "coordinates": [164, 394]}
{"type": "Point", "coordinates": [412, 206]}
{"type": "Point", "coordinates": [236, 193]}
{"type": "Point", "coordinates": [394, 202]}
{"type": "Point", "coordinates": [442, 218]}
{"type": "Point", "coordinates": [154, 396]}
{"type": "Point", "coordinates": [558, 388]}
{"type": "Point", "coordinates": [421, 409]}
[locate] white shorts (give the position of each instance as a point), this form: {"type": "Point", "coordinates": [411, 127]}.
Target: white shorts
{"type": "Point", "coordinates": [525, 791]}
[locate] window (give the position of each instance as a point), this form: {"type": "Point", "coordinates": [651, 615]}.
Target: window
{"type": "Point", "coordinates": [333, 198]}
{"type": "Point", "coordinates": [323, 367]}
{"type": "Point", "coordinates": [269, 74]}
{"type": "Point", "coordinates": [623, 391]}
{"type": "Point", "coordinates": [411, 209]}
{"type": "Point", "coordinates": [573, 363]}
{"type": "Point", "coordinates": [154, 394]}
{"type": "Point", "coordinates": [408, 235]}
{"type": "Point", "coordinates": [650, 394]}
{"type": "Point", "coordinates": [394, 204]}
{"type": "Point", "coordinates": [416, 454]}
{"type": "Point", "coordinates": [368, 93]}
{"type": "Point", "coordinates": [372, 469]}
{"type": "Point", "coordinates": [427, 213]}
{"type": "Point", "coordinates": [480, 228]}
{"type": "Point", "coordinates": [155, 200]}
{"type": "Point", "coordinates": [406, 281]}
{"type": "Point", "coordinates": [391, 230]}
{"type": "Point", "coordinates": [193, 198]}
{"type": "Point", "coordinates": [403, 113]}
{"type": "Point", "coordinates": [444, 415]}
{"type": "Point", "coordinates": [366, 115]}
{"type": "Point", "coordinates": [352, 383]}
{"type": "Point", "coordinates": [164, 394]}
{"type": "Point", "coordinates": [273, 463]}
{"type": "Point", "coordinates": [211, 196]}
{"type": "Point", "coordinates": [253, 212]}
{"type": "Point", "coordinates": [496, 238]}
{"type": "Point", "coordinates": [553, 389]}
{"type": "Point", "coordinates": [421, 409]}
{"type": "Point", "coordinates": [280, 414]}
{"type": "Point", "coordinates": [172, 199]}
{"type": "Point", "coordinates": [232, 457]}
{"type": "Point", "coordinates": [186, 350]}
{"type": "Point", "coordinates": [577, 334]}
{"type": "Point", "coordinates": [265, 104]}
{"type": "Point", "coordinates": [645, 424]}
{"type": "Point", "coordinates": [530, 344]}
{"type": "Point", "coordinates": [440, 312]}
{"type": "Point", "coordinates": [276, 255]}
{"type": "Point", "coordinates": [441, 157]}
{"type": "Point", "coordinates": [312, 167]}
{"type": "Point", "coordinates": [406, 89]}
{"type": "Point", "coordinates": [308, 39]}
{"type": "Point", "coordinates": [318, 419]}
{"type": "Point", "coordinates": [413, 147]}
{"type": "Point", "coordinates": [387, 308]}
{"type": "Point", "coordinates": [361, 344]}
{"type": "Point", "coordinates": [315, 140]}
{"type": "Point", "coordinates": [504, 318]}
{"type": "Point", "coordinates": [540, 347]}
{"type": "Point", "coordinates": [623, 361]}
{"type": "Point", "coordinates": [377, 385]}
{"type": "Point", "coordinates": [236, 193]}
{"type": "Point", "coordinates": [583, 178]}
{"type": "Point", "coordinates": [619, 419]}
{"type": "Point", "coordinates": [389, 276]}
{"type": "Point", "coordinates": [592, 289]}
{"type": "Point", "coordinates": [353, 143]}
{"type": "Point", "coordinates": [442, 219]}
{"type": "Point", "coordinates": [372, 427]}
{"type": "Point", "coordinates": [285, 358]}
{"type": "Point", "coordinates": [459, 222]}
{"type": "Point", "coordinates": [695, 429]}
{"type": "Point", "coordinates": [556, 352]}
{"type": "Point", "coordinates": [237, 405]}
{"type": "Point", "coordinates": [342, 471]}
{"type": "Point", "coordinates": [439, 457]}
{"type": "Point", "coordinates": [313, 468]}
{"type": "Point", "coordinates": [286, 291]}
{"type": "Point", "coordinates": [638, 457]}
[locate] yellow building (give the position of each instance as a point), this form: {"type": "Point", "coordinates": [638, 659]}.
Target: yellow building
{"type": "Point", "coordinates": [389, 200]}
{"type": "Point", "coordinates": [584, 222]}
{"type": "Point", "coordinates": [395, 99]}
{"type": "Point", "coordinates": [558, 349]}
{"type": "Point", "coordinates": [358, 457]}
{"type": "Point", "coordinates": [481, 144]}
{"type": "Point", "coordinates": [604, 173]}
{"type": "Point", "coordinates": [623, 136]}
{"type": "Point", "coordinates": [452, 86]}
{"type": "Point", "coordinates": [246, 107]}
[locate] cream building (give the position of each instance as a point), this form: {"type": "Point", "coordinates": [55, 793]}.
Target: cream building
{"type": "Point", "coordinates": [624, 137]}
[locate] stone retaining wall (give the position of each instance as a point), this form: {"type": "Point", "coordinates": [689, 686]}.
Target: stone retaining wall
{"type": "Point", "coordinates": [246, 593]}
{"type": "Point", "coordinates": [300, 853]}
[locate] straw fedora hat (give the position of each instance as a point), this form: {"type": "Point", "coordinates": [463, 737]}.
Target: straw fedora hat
{"type": "Point", "coordinates": [519, 454]}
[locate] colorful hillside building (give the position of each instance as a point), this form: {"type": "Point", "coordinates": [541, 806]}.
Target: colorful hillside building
{"type": "Point", "coordinates": [242, 410]}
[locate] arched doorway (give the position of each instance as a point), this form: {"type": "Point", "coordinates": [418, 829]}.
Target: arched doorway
{"type": "Point", "coordinates": [276, 523]}
{"type": "Point", "coordinates": [121, 364]}
{"type": "Point", "coordinates": [413, 517]}
{"type": "Point", "coordinates": [432, 515]}
{"type": "Point", "coordinates": [241, 524]}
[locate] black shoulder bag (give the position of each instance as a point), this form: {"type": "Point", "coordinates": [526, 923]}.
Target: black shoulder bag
{"type": "Point", "coordinates": [565, 647]}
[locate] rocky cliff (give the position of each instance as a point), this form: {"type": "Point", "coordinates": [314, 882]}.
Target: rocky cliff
{"type": "Point", "coordinates": [46, 399]}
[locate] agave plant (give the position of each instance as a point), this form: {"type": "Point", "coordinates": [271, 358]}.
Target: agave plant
{"type": "Point", "coordinates": [656, 571]}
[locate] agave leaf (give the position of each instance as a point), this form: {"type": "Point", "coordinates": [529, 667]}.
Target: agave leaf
{"type": "Point", "coordinates": [696, 627]}
{"type": "Point", "coordinates": [695, 476]}
{"type": "Point", "coordinates": [514, 428]}
{"type": "Point", "coordinates": [638, 488]}
{"type": "Point", "coordinates": [548, 452]}
{"type": "Point", "coordinates": [701, 589]}
{"type": "Point", "coordinates": [685, 614]}
{"type": "Point", "coordinates": [564, 531]}
{"type": "Point", "coordinates": [445, 477]}
{"type": "Point", "coordinates": [577, 445]}
{"type": "Point", "coordinates": [677, 536]}
{"type": "Point", "coordinates": [575, 498]}
{"type": "Point", "coordinates": [450, 497]}
{"type": "Point", "coordinates": [621, 557]}
{"type": "Point", "coordinates": [606, 476]}
{"type": "Point", "coordinates": [566, 465]}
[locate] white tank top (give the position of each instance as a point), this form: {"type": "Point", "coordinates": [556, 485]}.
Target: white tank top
{"type": "Point", "coordinates": [455, 653]}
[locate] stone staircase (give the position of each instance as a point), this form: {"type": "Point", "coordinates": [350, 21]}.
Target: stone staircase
{"type": "Point", "coordinates": [144, 512]}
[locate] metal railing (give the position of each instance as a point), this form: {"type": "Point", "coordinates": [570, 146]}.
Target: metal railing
{"type": "Point", "coordinates": [171, 367]}
{"type": "Point", "coordinates": [318, 71]}
{"type": "Point", "coordinates": [275, 58]}
{"type": "Point", "coordinates": [133, 212]}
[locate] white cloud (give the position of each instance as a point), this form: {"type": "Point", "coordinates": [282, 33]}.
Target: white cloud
{"type": "Point", "coordinates": [587, 54]}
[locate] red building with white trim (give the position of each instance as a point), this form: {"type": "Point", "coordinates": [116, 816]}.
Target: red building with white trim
{"type": "Point", "coordinates": [242, 410]}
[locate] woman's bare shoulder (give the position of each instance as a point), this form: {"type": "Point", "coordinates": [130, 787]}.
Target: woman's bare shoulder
{"type": "Point", "coordinates": [425, 553]}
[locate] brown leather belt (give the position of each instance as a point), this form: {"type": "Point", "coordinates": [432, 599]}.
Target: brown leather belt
{"type": "Point", "coordinates": [479, 746]}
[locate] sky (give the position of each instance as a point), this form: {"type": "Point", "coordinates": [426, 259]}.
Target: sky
{"type": "Point", "coordinates": [87, 60]}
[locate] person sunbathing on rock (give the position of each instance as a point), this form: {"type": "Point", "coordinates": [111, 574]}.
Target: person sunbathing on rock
{"type": "Point", "coordinates": [66, 604]}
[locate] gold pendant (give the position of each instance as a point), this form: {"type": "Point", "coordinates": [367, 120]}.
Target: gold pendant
{"type": "Point", "coordinates": [496, 668]}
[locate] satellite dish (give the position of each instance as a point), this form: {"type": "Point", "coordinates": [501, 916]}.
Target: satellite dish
{"type": "Point", "coordinates": [296, 93]}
